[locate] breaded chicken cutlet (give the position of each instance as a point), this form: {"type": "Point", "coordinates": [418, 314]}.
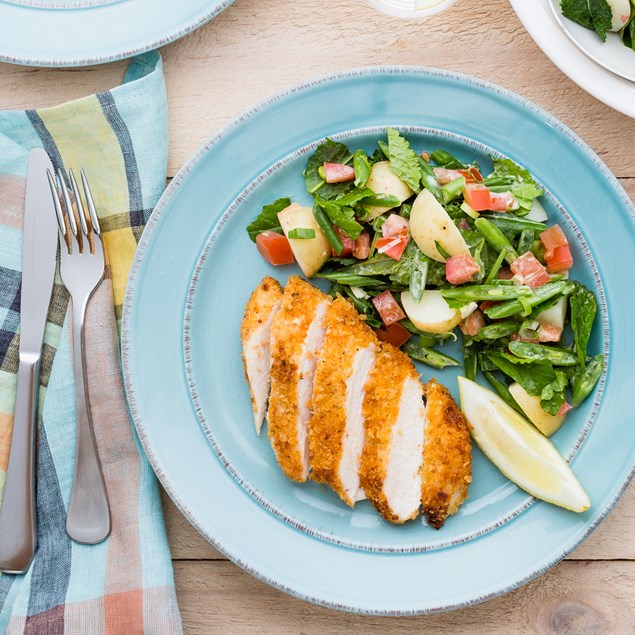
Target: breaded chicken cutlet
{"type": "Point", "coordinates": [447, 456]}
{"type": "Point", "coordinates": [394, 415]}
{"type": "Point", "coordinates": [336, 429]}
{"type": "Point", "coordinates": [255, 333]}
{"type": "Point", "coordinates": [349, 411]}
{"type": "Point", "coordinates": [297, 333]}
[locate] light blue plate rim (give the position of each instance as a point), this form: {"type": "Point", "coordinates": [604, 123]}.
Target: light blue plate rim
{"type": "Point", "coordinates": [63, 34]}
{"type": "Point", "coordinates": [152, 444]}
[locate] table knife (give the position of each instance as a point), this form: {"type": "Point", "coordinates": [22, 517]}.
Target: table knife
{"type": "Point", "coordinates": [18, 534]}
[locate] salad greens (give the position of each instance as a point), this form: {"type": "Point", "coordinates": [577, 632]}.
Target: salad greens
{"type": "Point", "coordinates": [599, 15]}
{"type": "Point", "coordinates": [522, 320]}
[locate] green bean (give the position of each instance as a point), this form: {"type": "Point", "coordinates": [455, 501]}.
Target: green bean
{"type": "Point", "coordinates": [480, 292]}
{"type": "Point", "coordinates": [429, 180]}
{"type": "Point", "coordinates": [495, 238]}
{"type": "Point", "coordinates": [428, 355]}
{"type": "Point", "coordinates": [585, 379]}
{"type": "Point", "coordinates": [515, 307]}
{"type": "Point", "coordinates": [381, 200]}
{"type": "Point", "coordinates": [514, 224]}
{"type": "Point", "coordinates": [453, 189]}
{"type": "Point", "coordinates": [327, 227]}
{"type": "Point", "coordinates": [418, 276]}
{"type": "Point", "coordinates": [362, 168]}
{"type": "Point", "coordinates": [425, 338]}
{"type": "Point", "coordinates": [493, 274]}
{"type": "Point", "coordinates": [497, 330]}
{"type": "Point", "coordinates": [540, 352]}
{"type": "Point", "coordinates": [503, 391]}
{"type": "Point", "coordinates": [351, 279]}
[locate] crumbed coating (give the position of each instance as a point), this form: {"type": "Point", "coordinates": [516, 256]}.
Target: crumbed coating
{"type": "Point", "coordinates": [257, 311]}
{"type": "Point", "coordinates": [447, 458]}
{"type": "Point", "coordinates": [288, 333]}
{"type": "Point", "coordinates": [346, 334]}
{"type": "Point", "coordinates": [381, 411]}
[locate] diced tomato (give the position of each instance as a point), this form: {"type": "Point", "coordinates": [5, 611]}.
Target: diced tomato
{"type": "Point", "coordinates": [472, 175]}
{"type": "Point", "coordinates": [338, 172]}
{"type": "Point", "coordinates": [394, 225]}
{"type": "Point", "coordinates": [529, 268]}
{"type": "Point", "coordinates": [473, 323]}
{"type": "Point", "coordinates": [388, 309]}
{"type": "Point", "coordinates": [560, 260]}
{"type": "Point", "coordinates": [502, 202]}
{"type": "Point", "coordinates": [548, 333]}
{"type": "Point", "coordinates": [392, 246]}
{"type": "Point", "coordinates": [274, 248]}
{"type": "Point", "coordinates": [504, 273]}
{"type": "Point", "coordinates": [477, 196]}
{"type": "Point", "coordinates": [394, 334]}
{"type": "Point", "coordinates": [395, 237]}
{"type": "Point", "coordinates": [446, 176]}
{"type": "Point", "coordinates": [564, 408]}
{"type": "Point", "coordinates": [460, 268]}
{"type": "Point", "coordinates": [552, 238]}
{"type": "Point", "coordinates": [347, 241]}
{"type": "Point", "coordinates": [488, 304]}
{"type": "Point", "coordinates": [361, 247]}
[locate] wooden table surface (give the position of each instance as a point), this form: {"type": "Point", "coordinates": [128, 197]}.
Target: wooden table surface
{"type": "Point", "coordinates": [257, 48]}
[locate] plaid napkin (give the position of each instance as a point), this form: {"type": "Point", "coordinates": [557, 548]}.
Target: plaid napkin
{"type": "Point", "coordinates": [123, 585]}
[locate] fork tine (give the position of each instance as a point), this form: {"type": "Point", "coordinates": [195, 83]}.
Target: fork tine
{"type": "Point", "coordinates": [68, 204]}
{"type": "Point", "coordinates": [56, 202]}
{"type": "Point", "coordinates": [78, 203]}
{"type": "Point", "coordinates": [91, 204]}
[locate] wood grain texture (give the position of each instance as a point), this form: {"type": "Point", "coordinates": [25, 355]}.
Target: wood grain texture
{"type": "Point", "coordinates": [257, 48]}
{"type": "Point", "coordinates": [574, 598]}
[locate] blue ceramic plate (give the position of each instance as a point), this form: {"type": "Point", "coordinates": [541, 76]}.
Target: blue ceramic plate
{"type": "Point", "coordinates": [195, 269]}
{"type": "Point", "coordinates": [85, 32]}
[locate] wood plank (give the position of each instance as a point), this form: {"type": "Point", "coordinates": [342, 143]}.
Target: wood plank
{"type": "Point", "coordinates": [613, 539]}
{"type": "Point", "coordinates": [246, 54]}
{"type": "Point", "coordinates": [574, 597]}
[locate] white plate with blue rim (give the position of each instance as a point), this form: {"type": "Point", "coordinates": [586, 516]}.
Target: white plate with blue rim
{"type": "Point", "coordinates": [191, 278]}
{"type": "Point", "coordinates": [86, 32]}
{"type": "Point", "coordinates": [541, 24]}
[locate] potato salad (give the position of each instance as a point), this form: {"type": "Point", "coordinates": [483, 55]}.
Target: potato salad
{"type": "Point", "coordinates": [428, 248]}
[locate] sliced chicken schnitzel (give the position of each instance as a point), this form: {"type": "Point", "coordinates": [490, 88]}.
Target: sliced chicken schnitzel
{"type": "Point", "coordinates": [395, 418]}
{"type": "Point", "coordinates": [336, 429]}
{"type": "Point", "coordinates": [255, 333]}
{"type": "Point", "coordinates": [447, 458]}
{"type": "Point", "coordinates": [297, 333]}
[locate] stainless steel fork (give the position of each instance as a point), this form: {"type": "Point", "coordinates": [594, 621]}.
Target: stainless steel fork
{"type": "Point", "coordinates": [82, 269]}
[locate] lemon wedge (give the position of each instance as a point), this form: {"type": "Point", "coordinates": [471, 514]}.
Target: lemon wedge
{"type": "Point", "coordinates": [518, 450]}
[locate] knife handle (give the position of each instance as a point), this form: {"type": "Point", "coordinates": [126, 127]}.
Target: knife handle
{"type": "Point", "coordinates": [18, 537]}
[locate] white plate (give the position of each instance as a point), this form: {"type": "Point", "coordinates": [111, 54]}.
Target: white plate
{"type": "Point", "coordinates": [538, 19]}
{"type": "Point", "coordinates": [612, 54]}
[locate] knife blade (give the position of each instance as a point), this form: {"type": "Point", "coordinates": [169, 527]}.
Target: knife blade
{"type": "Point", "coordinates": [18, 533]}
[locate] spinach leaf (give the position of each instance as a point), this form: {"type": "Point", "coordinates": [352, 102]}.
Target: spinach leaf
{"type": "Point", "coordinates": [403, 160]}
{"type": "Point", "coordinates": [553, 395]}
{"type": "Point", "coordinates": [532, 376]}
{"type": "Point", "coordinates": [593, 14]}
{"type": "Point", "coordinates": [342, 216]}
{"type": "Point", "coordinates": [267, 220]}
{"type": "Point", "coordinates": [328, 151]}
{"type": "Point", "coordinates": [511, 177]}
{"type": "Point", "coordinates": [583, 308]}
{"type": "Point", "coordinates": [628, 32]}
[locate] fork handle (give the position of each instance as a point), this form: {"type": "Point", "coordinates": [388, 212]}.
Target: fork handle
{"type": "Point", "coordinates": [88, 519]}
{"type": "Point", "coordinates": [17, 517]}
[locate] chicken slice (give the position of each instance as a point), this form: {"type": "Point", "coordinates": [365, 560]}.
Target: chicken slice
{"type": "Point", "coordinates": [297, 333]}
{"type": "Point", "coordinates": [336, 429]}
{"type": "Point", "coordinates": [255, 333]}
{"type": "Point", "coordinates": [395, 419]}
{"type": "Point", "coordinates": [447, 458]}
